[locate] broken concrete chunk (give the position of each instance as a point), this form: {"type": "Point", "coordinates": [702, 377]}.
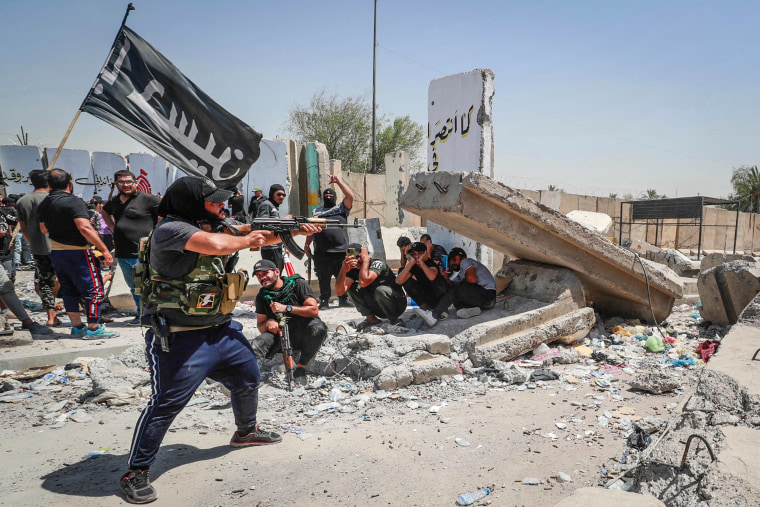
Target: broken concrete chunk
{"type": "Point", "coordinates": [656, 382]}
{"type": "Point", "coordinates": [726, 290]}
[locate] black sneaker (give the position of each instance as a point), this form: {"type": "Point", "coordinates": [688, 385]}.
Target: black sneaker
{"type": "Point", "coordinates": [136, 487]}
{"type": "Point", "coordinates": [324, 305]}
{"type": "Point", "coordinates": [256, 437]}
{"type": "Point", "coordinates": [345, 303]}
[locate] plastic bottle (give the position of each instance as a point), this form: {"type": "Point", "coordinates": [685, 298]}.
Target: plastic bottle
{"type": "Point", "coordinates": [471, 498]}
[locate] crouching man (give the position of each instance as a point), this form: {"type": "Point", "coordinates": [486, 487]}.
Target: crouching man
{"type": "Point", "coordinates": [293, 297]}
{"type": "Point", "coordinates": [372, 287]}
{"type": "Point", "coordinates": [472, 288]}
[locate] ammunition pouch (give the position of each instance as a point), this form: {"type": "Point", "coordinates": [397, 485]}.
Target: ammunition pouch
{"type": "Point", "coordinates": [233, 286]}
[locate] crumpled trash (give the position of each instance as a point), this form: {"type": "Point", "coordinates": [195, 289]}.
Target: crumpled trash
{"type": "Point", "coordinates": [654, 344]}
{"type": "Point", "coordinates": [621, 331]}
{"type": "Point", "coordinates": [544, 375]}
{"type": "Point", "coordinates": [639, 439]}
{"type": "Point", "coordinates": [686, 361]}
{"type": "Point", "coordinates": [707, 348]}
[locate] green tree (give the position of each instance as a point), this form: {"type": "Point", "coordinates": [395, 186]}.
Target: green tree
{"type": "Point", "coordinates": [613, 196]}
{"type": "Point", "coordinates": [344, 126]}
{"type": "Point", "coordinates": [402, 134]}
{"type": "Point", "coordinates": [628, 197]}
{"type": "Point", "coordinates": [554, 188]}
{"type": "Point", "coordinates": [651, 193]}
{"type": "Point", "coordinates": [746, 183]}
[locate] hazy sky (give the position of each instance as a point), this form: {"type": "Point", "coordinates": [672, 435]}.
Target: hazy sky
{"type": "Point", "coordinates": [595, 97]}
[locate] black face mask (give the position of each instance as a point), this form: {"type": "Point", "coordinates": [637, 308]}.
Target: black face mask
{"type": "Point", "coordinates": [329, 201]}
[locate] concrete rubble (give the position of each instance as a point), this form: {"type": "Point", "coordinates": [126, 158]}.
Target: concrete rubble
{"type": "Point", "coordinates": [726, 289]}
{"type": "Point", "coordinates": [510, 223]}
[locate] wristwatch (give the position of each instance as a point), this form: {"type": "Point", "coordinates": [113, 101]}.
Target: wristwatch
{"type": "Point", "coordinates": [288, 309]}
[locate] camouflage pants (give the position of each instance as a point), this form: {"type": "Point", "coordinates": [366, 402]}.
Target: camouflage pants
{"type": "Point", "coordinates": [44, 276]}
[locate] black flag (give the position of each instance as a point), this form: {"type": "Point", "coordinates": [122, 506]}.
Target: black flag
{"type": "Point", "coordinates": [140, 92]}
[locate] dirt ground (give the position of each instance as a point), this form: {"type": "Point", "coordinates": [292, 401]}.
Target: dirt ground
{"type": "Point", "coordinates": [394, 448]}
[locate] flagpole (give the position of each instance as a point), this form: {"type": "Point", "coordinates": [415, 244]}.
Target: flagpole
{"type": "Point", "coordinates": [130, 7]}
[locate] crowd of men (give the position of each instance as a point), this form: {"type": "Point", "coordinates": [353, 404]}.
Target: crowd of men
{"type": "Point", "coordinates": [185, 284]}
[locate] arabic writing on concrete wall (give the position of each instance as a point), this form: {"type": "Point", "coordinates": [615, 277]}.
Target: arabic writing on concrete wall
{"type": "Point", "coordinates": [454, 132]}
{"type": "Point", "coordinates": [457, 124]}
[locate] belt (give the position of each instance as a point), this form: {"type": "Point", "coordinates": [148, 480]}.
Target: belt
{"type": "Point", "coordinates": [177, 329]}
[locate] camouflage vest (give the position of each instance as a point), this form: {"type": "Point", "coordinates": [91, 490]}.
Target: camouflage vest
{"type": "Point", "coordinates": [197, 293]}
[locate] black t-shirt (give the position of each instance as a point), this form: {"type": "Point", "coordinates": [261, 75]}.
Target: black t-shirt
{"type": "Point", "coordinates": [169, 257]}
{"type": "Point", "coordinates": [268, 210]}
{"type": "Point", "coordinates": [430, 286]}
{"type": "Point", "coordinates": [253, 207]}
{"type": "Point", "coordinates": [133, 220]}
{"type": "Point", "coordinates": [332, 240]}
{"type": "Point", "coordinates": [58, 211]}
{"type": "Point", "coordinates": [236, 204]}
{"type": "Point", "coordinates": [301, 292]}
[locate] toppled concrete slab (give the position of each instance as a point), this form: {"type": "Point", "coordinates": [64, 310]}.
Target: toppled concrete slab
{"type": "Point", "coordinates": [726, 290]}
{"type": "Point", "coordinates": [507, 221]}
{"type": "Point", "coordinates": [640, 247]}
{"type": "Point", "coordinates": [562, 316]}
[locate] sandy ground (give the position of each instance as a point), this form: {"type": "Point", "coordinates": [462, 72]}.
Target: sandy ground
{"type": "Point", "coordinates": [393, 451]}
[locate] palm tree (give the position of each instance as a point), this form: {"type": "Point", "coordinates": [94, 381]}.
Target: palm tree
{"type": "Point", "coordinates": [613, 196]}
{"type": "Point", "coordinates": [651, 193]}
{"type": "Point", "coordinates": [746, 183]}
{"type": "Point", "coordinates": [554, 188]}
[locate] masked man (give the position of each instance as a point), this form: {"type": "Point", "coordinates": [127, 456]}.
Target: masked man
{"type": "Point", "coordinates": [330, 244]}
{"type": "Point", "coordinates": [186, 291]}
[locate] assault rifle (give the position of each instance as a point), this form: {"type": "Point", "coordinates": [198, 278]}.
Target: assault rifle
{"type": "Point", "coordinates": [287, 350]}
{"type": "Point", "coordinates": [283, 226]}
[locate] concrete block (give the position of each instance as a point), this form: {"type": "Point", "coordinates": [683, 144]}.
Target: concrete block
{"type": "Point", "coordinates": [427, 368]}
{"type": "Point", "coordinates": [711, 260]}
{"type": "Point", "coordinates": [599, 222]}
{"type": "Point", "coordinates": [119, 295]}
{"type": "Point", "coordinates": [78, 163]}
{"type": "Point", "coordinates": [396, 181]}
{"type": "Point", "coordinates": [726, 290]}
{"type": "Point", "coordinates": [543, 282]}
{"type": "Point", "coordinates": [371, 236]}
{"type": "Point", "coordinates": [566, 328]}
{"type": "Point", "coordinates": [640, 247]}
{"type": "Point", "coordinates": [675, 260]}
{"type": "Point", "coordinates": [394, 377]}
{"type": "Point", "coordinates": [16, 162]}
{"type": "Point", "coordinates": [505, 220]}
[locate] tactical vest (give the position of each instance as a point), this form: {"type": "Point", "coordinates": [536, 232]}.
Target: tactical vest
{"type": "Point", "coordinates": [205, 290]}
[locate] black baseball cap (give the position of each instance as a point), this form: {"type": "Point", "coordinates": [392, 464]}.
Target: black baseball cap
{"type": "Point", "coordinates": [212, 193]}
{"type": "Point", "coordinates": [329, 191]}
{"type": "Point", "coordinates": [264, 265]}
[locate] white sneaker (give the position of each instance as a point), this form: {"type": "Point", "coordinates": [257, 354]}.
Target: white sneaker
{"type": "Point", "coordinates": [466, 313]}
{"type": "Point", "coordinates": [427, 316]}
